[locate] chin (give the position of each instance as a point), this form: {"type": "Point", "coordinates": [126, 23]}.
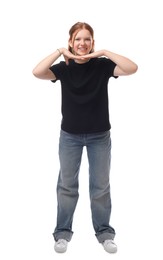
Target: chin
{"type": "Point", "coordinates": [81, 54]}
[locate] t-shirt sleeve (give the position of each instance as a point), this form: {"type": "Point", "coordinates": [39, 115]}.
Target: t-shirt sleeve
{"type": "Point", "coordinates": [110, 67]}
{"type": "Point", "coordinates": [57, 69]}
{"type": "Point", "coordinates": [113, 67]}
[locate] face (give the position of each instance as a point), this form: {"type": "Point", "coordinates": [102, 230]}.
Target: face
{"type": "Point", "coordinates": [82, 43]}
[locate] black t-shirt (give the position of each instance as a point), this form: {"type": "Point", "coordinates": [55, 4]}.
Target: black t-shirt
{"type": "Point", "coordinates": [84, 95]}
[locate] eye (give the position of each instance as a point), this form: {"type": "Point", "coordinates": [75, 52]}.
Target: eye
{"type": "Point", "coordinates": [87, 39]}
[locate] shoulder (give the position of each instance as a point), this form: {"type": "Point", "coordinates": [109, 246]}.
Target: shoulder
{"type": "Point", "coordinates": [58, 66]}
{"type": "Point", "coordinates": [61, 64]}
{"type": "Point", "coordinates": [104, 60]}
{"type": "Point", "coordinates": [58, 69]}
{"type": "Point", "coordinates": [104, 63]}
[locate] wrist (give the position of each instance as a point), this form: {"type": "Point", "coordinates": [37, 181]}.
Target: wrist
{"type": "Point", "coordinates": [59, 52]}
{"type": "Point", "coordinates": [104, 52]}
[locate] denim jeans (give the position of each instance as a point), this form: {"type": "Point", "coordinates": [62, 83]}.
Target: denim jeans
{"type": "Point", "coordinates": [98, 147]}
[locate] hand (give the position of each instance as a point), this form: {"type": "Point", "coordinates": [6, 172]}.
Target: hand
{"type": "Point", "coordinates": [67, 55]}
{"type": "Point", "coordinates": [95, 54]}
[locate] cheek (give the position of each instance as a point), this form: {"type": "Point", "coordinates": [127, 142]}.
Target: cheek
{"type": "Point", "coordinates": [75, 46]}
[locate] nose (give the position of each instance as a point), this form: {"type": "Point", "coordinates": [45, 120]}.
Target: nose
{"type": "Point", "coordinates": [82, 41]}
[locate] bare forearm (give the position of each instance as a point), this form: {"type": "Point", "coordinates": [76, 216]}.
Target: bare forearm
{"type": "Point", "coordinates": [42, 68]}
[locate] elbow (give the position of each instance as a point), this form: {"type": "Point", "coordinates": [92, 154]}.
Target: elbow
{"type": "Point", "coordinates": [34, 72]}
{"type": "Point", "coordinates": [37, 73]}
{"type": "Point", "coordinates": [134, 68]}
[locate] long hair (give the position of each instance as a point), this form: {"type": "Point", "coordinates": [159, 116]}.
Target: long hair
{"type": "Point", "coordinates": [76, 28]}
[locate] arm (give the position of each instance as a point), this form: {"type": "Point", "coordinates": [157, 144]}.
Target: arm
{"type": "Point", "coordinates": [42, 70]}
{"type": "Point", "coordinates": [124, 66]}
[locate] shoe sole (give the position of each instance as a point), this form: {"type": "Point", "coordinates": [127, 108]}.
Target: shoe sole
{"type": "Point", "coordinates": [58, 250]}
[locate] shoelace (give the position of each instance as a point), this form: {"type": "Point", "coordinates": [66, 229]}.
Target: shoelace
{"type": "Point", "coordinates": [61, 242]}
{"type": "Point", "coordinates": [109, 242]}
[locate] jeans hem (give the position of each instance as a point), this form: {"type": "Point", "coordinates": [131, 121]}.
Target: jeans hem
{"type": "Point", "coordinates": [67, 235]}
{"type": "Point", "coordinates": [104, 236]}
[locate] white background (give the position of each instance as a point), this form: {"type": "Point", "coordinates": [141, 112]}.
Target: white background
{"type": "Point", "coordinates": [30, 123]}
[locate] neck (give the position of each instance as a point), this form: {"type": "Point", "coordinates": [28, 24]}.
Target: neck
{"type": "Point", "coordinates": [82, 61]}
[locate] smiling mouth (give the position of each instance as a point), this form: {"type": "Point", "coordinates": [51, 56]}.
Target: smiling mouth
{"type": "Point", "coordinates": [82, 49]}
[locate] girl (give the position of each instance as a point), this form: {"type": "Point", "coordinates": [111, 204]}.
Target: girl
{"type": "Point", "coordinates": [84, 77]}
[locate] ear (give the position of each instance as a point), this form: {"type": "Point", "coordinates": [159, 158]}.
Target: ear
{"type": "Point", "coordinates": [70, 43]}
{"type": "Point", "coordinates": [93, 44]}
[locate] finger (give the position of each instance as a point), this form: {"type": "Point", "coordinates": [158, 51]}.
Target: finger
{"type": "Point", "coordinates": [66, 59]}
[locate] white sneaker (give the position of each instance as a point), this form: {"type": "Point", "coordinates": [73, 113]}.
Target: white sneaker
{"type": "Point", "coordinates": [109, 246]}
{"type": "Point", "coordinates": [61, 246]}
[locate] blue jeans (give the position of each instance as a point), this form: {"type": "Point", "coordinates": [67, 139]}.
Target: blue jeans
{"type": "Point", "coordinates": [98, 147]}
